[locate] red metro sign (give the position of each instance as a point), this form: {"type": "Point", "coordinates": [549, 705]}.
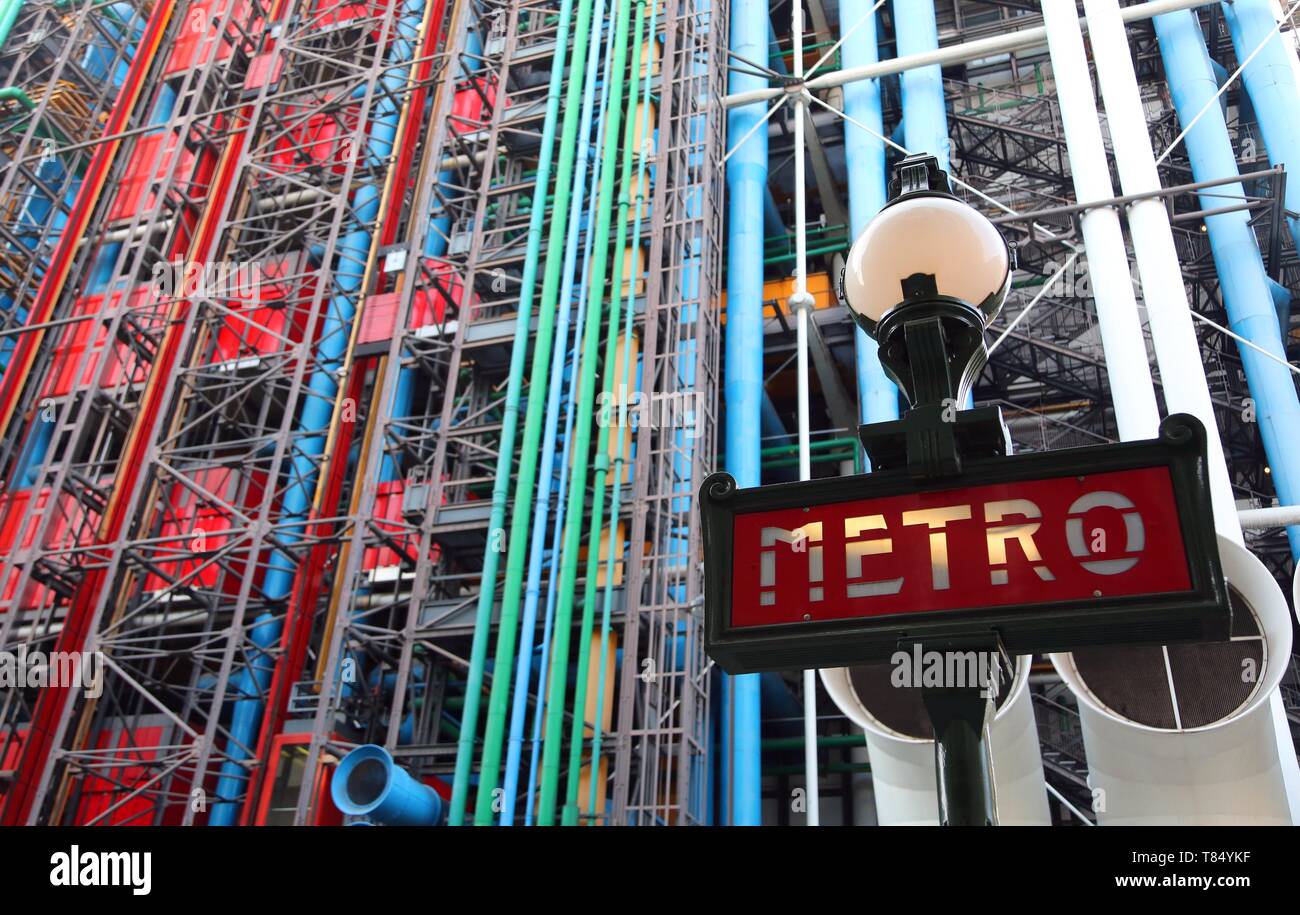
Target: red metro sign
{"type": "Point", "coordinates": [1053, 551]}
{"type": "Point", "coordinates": [1064, 538]}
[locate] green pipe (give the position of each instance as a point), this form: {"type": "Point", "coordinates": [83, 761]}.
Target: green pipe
{"type": "Point", "coordinates": [509, 427]}
{"type": "Point", "coordinates": [538, 382]}
{"type": "Point", "coordinates": [833, 457]}
{"type": "Point", "coordinates": [829, 767]}
{"type": "Point", "coordinates": [9, 10]}
{"type": "Point", "coordinates": [558, 677]}
{"type": "Point", "coordinates": [828, 740]}
{"type": "Point", "coordinates": [821, 249]}
{"type": "Point", "coordinates": [570, 814]}
{"type": "Point", "coordinates": [635, 140]}
{"type": "Point", "coordinates": [786, 240]}
{"type": "Point", "coordinates": [791, 449]}
{"type": "Point", "coordinates": [18, 95]}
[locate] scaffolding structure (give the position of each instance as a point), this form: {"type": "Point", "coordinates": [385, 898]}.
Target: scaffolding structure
{"type": "Point", "coordinates": [265, 267]}
{"type": "Point", "coordinates": [242, 486]}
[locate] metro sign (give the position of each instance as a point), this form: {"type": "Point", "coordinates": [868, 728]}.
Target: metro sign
{"type": "Point", "coordinates": [1053, 551]}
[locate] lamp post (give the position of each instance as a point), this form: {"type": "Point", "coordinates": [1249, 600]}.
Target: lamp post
{"type": "Point", "coordinates": [925, 279]}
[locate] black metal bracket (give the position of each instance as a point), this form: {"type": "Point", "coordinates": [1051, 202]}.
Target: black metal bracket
{"type": "Point", "coordinates": [935, 441]}
{"type": "Point", "coordinates": [1199, 614]}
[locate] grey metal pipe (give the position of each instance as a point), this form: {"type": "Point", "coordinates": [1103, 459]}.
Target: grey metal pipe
{"type": "Point", "coordinates": [954, 54]}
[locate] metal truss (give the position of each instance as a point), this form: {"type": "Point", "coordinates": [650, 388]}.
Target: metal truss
{"type": "Point", "coordinates": [663, 733]}
{"type": "Point", "coordinates": [165, 558]}
{"type": "Point", "coordinates": [408, 577]}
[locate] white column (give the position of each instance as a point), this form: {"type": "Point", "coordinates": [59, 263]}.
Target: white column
{"type": "Point", "coordinates": [1243, 768]}
{"type": "Point", "coordinates": [1178, 353]}
{"type": "Point", "coordinates": [1127, 368]}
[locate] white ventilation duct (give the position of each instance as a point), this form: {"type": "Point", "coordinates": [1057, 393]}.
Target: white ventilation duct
{"type": "Point", "coordinates": [1183, 734]}
{"type": "Point", "coordinates": [902, 756]}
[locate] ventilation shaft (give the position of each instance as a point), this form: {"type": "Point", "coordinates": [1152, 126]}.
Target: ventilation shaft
{"type": "Point", "coordinates": [1181, 734]}
{"type": "Point", "coordinates": [1193, 733]}
{"type": "Point", "coordinates": [900, 746]}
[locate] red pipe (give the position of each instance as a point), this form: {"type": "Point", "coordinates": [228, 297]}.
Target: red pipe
{"type": "Point", "coordinates": [302, 608]}
{"type": "Point", "coordinates": [51, 287]}
{"type": "Point", "coordinates": [52, 703]}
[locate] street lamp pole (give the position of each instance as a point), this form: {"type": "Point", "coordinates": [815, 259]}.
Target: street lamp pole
{"type": "Point", "coordinates": [925, 279]}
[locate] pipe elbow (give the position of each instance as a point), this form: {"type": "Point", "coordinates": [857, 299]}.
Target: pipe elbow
{"type": "Point", "coordinates": [369, 783]}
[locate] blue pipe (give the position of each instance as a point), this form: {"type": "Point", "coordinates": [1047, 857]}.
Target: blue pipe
{"type": "Point", "coordinates": [925, 118]}
{"type": "Point", "coordinates": [435, 245]}
{"type": "Point", "coordinates": [317, 412]}
{"type": "Point", "coordinates": [743, 383]}
{"type": "Point", "coordinates": [368, 783]}
{"type": "Point", "coordinates": [1271, 83]}
{"type": "Point", "coordinates": [864, 157]}
{"type": "Point", "coordinates": [774, 431]}
{"type": "Point", "coordinates": [552, 592]}
{"type": "Point", "coordinates": [546, 473]}
{"type": "Point", "coordinates": [1281, 302]}
{"type": "Point", "coordinates": [1246, 294]}
{"type": "Point", "coordinates": [772, 222]}
{"type": "Point", "coordinates": [778, 701]}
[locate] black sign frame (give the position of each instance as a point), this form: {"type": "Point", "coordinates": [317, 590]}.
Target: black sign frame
{"type": "Point", "coordinates": [1200, 614]}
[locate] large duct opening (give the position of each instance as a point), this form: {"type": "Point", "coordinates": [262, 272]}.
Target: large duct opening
{"type": "Point", "coordinates": [897, 708]}
{"type": "Point", "coordinates": [367, 782]}
{"type": "Point", "coordinates": [1175, 687]}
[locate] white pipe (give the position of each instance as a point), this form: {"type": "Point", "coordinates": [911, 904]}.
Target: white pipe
{"type": "Point", "coordinates": [800, 302]}
{"type": "Point", "coordinates": [1263, 518]}
{"type": "Point", "coordinates": [1122, 754]}
{"type": "Point", "coordinates": [1178, 352]}
{"type": "Point", "coordinates": [1132, 391]}
{"type": "Point", "coordinates": [864, 802]}
{"type": "Point", "coordinates": [954, 54]}
{"type": "Point", "coordinates": [1229, 772]}
{"type": "Point", "coordinates": [903, 766]}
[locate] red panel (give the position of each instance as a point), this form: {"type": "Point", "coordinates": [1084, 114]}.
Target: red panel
{"type": "Point", "coordinates": [13, 507]}
{"type": "Point", "coordinates": [380, 314]}
{"type": "Point", "coordinates": [155, 157]}
{"type": "Point", "coordinates": [467, 106]}
{"type": "Point", "coordinates": [198, 44]}
{"type": "Point", "coordinates": [77, 336]}
{"type": "Point", "coordinates": [262, 69]}
{"type": "Point", "coordinates": [330, 12]}
{"type": "Point", "coordinates": [262, 328]}
{"type": "Point", "coordinates": [388, 506]}
{"type": "Point", "coordinates": [98, 793]}
{"type": "Point", "coordinates": [14, 748]}
{"type": "Point", "coordinates": [193, 528]}
{"type": "Point", "coordinates": [318, 141]}
{"type": "Point", "coordinates": [19, 528]}
{"type": "Point", "coordinates": [1136, 548]}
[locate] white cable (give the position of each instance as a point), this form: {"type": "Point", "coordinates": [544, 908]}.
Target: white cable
{"type": "Point", "coordinates": [1240, 339]}
{"type": "Point", "coordinates": [800, 303]}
